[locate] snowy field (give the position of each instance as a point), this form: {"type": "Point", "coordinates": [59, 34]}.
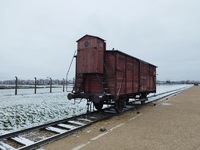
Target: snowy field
{"type": "Point", "coordinates": [27, 109]}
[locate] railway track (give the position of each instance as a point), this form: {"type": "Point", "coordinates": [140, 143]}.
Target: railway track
{"type": "Point", "coordinates": [35, 137]}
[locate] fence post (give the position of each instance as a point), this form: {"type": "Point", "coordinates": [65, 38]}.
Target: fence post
{"type": "Point", "coordinates": [50, 85]}
{"type": "Point", "coordinates": [35, 84]}
{"type": "Point", "coordinates": [16, 82]}
{"type": "Point", "coordinates": [63, 85]}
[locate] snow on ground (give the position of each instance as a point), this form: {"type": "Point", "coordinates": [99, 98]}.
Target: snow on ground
{"type": "Point", "coordinates": [23, 111]}
{"type": "Point", "coordinates": [27, 109]}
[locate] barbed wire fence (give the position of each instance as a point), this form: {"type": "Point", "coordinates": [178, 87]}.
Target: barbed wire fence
{"type": "Point", "coordinates": [36, 86]}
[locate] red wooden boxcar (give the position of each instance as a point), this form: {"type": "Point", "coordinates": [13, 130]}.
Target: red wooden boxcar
{"type": "Point", "coordinates": [110, 76]}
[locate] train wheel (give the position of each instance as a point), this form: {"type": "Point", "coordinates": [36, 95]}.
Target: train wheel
{"type": "Point", "coordinates": [119, 105]}
{"type": "Point", "coordinates": [142, 102]}
{"type": "Point", "coordinates": [143, 98]}
{"type": "Point", "coordinates": [98, 106]}
{"type": "Point", "coordinates": [127, 100]}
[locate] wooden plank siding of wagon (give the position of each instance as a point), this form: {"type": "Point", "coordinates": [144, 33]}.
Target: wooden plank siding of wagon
{"type": "Point", "coordinates": [152, 75]}
{"type": "Point", "coordinates": [136, 75]}
{"type": "Point", "coordinates": [93, 83]}
{"type": "Point", "coordinates": [143, 76]}
{"type": "Point", "coordinates": [90, 61]}
{"type": "Point", "coordinates": [110, 67]}
{"type": "Point", "coordinates": [120, 69]}
{"type": "Point", "coordinates": [129, 75]}
{"type": "Point", "coordinates": [121, 73]}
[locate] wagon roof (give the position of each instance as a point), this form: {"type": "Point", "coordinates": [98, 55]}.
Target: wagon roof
{"type": "Point", "coordinates": [90, 36]}
{"type": "Point", "coordinates": [130, 56]}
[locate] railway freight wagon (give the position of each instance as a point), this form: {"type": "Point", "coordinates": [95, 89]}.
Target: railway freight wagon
{"type": "Point", "coordinates": [110, 76]}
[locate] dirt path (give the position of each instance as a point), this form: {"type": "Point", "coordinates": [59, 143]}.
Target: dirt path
{"type": "Point", "coordinates": [173, 124]}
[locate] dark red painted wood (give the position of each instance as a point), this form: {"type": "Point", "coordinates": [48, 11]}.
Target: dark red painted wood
{"type": "Point", "coordinates": [128, 75]}
{"type": "Point", "coordinates": [90, 55]}
{"type": "Point", "coordinates": [124, 74]}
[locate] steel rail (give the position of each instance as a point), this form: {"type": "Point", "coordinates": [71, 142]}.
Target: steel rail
{"type": "Point", "coordinates": [61, 135]}
{"type": "Point", "coordinates": [94, 117]}
{"type": "Point", "coordinates": [39, 127]}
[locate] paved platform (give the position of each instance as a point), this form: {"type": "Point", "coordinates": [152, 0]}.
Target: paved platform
{"type": "Point", "coordinates": [171, 124]}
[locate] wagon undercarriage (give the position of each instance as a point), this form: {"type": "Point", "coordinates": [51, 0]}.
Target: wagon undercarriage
{"type": "Point", "coordinates": [101, 99]}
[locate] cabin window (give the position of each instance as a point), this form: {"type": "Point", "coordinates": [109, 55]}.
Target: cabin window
{"type": "Point", "coordinates": [87, 44]}
{"type": "Point", "coordinates": [101, 44]}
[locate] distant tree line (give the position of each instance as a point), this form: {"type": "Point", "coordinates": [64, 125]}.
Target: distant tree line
{"type": "Point", "coordinates": [178, 82]}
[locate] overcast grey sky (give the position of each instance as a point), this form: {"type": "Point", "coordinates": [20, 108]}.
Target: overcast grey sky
{"type": "Point", "coordinates": [38, 37]}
